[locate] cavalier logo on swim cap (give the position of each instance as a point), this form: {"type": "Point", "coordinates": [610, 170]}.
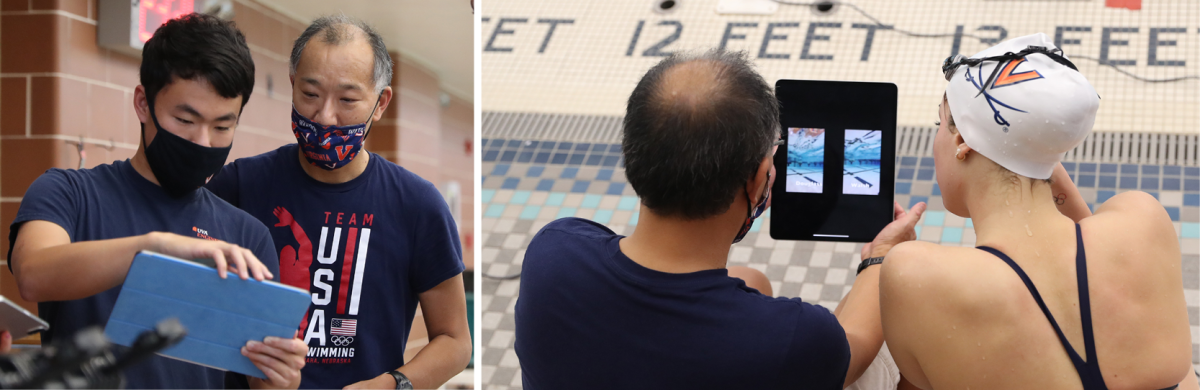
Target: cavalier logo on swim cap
{"type": "Point", "coordinates": [992, 101]}
{"type": "Point", "coordinates": [1021, 104]}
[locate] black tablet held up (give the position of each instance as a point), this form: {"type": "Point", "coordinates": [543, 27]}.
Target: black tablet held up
{"type": "Point", "coordinates": [836, 177]}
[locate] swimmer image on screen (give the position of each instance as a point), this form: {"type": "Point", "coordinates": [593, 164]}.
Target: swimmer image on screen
{"type": "Point", "coordinates": [805, 160]}
{"type": "Point", "coordinates": [860, 168]}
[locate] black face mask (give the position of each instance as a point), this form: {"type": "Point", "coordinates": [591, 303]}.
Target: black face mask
{"type": "Point", "coordinates": [180, 166]}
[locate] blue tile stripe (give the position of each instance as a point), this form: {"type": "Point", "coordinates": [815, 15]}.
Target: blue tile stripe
{"type": "Point", "coordinates": [550, 152]}
{"type": "Point", "coordinates": [1145, 177]}
{"type": "Point", "coordinates": [568, 168]}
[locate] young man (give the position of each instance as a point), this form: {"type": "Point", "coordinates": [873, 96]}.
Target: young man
{"type": "Point", "coordinates": [77, 231]}
{"type": "Point", "coordinates": [368, 238]}
{"type": "Point", "coordinates": [658, 309]}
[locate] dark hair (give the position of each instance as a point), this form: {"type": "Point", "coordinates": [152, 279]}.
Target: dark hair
{"type": "Point", "coordinates": [334, 32]}
{"type": "Point", "coordinates": [198, 45]}
{"type": "Point", "coordinates": [697, 126]}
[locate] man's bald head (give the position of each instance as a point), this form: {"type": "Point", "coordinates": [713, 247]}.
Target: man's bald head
{"type": "Point", "coordinates": [696, 128]}
{"type": "Point", "coordinates": [340, 30]}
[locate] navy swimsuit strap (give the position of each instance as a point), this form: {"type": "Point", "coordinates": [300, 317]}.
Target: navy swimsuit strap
{"type": "Point", "coordinates": [1089, 370]}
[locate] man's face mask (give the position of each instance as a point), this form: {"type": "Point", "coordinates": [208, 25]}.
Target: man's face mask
{"type": "Point", "coordinates": [180, 166]}
{"type": "Point", "coordinates": [329, 147]}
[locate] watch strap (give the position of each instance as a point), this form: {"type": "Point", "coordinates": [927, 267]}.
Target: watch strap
{"type": "Point", "coordinates": [869, 262]}
{"type": "Point", "coordinates": [402, 382]}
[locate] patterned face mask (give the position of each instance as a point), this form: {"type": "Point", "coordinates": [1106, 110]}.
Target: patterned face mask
{"type": "Point", "coordinates": [329, 147]}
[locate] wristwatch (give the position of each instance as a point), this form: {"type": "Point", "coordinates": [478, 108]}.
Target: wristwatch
{"type": "Point", "coordinates": [869, 262]}
{"type": "Point", "coordinates": [402, 382]}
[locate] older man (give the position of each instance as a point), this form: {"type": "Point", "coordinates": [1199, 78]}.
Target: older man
{"type": "Point", "coordinates": [659, 309]}
{"type": "Point", "coordinates": [368, 238]}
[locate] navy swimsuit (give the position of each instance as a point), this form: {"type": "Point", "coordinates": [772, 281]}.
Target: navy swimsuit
{"type": "Point", "coordinates": [1089, 370]}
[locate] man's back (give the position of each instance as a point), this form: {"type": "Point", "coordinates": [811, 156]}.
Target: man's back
{"type": "Point", "coordinates": [590, 317]}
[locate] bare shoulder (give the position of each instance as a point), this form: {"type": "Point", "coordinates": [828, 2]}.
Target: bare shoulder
{"type": "Point", "coordinates": [1132, 221]}
{"type": "Point", "coordinates": [1133, 212]}
{"type": "Point", "coordinates": [925, 287]}
{"type": "Point", "coordinates": [959, 278]}
{"type": "Point", "coordinates": [916, 261]}
{"type": "Point", "coordinates": [1130, 201]}
{"type": "Point", "coordinates": [916, 270]}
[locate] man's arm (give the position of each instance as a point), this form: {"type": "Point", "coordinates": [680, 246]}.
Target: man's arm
{"type": "Point", "coordinates": [449, 350]}
{"type": "Point", "coordinates": [859, 311]}
{"type": "Point", "coordinates": [49, 267]}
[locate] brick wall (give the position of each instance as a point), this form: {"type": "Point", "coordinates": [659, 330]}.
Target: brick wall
{"type": "Point", "coordinates": [421, 135]}
{"type": "Point", "coordinates": [58, 85]}
{"type": "Point", "coordinates": [457, 147]}
{"type": "Point", "coordinates": [417, 100]}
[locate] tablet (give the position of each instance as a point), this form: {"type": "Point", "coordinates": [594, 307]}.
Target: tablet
{"type": "Point", "coordinates": [220, 315]}
{"type": "Point", "coordinates": [18, 321]}
{"type": "Point", "coordinates": [836, 175]}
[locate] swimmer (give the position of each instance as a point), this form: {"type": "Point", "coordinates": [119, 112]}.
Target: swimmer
{"type": "Point", "coordinates": [1054, 297]}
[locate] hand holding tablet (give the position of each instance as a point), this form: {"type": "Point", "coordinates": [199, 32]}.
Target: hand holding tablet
{"type": "Point", "coordinates": [221, 315]}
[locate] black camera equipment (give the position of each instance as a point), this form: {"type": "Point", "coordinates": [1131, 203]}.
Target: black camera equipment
{"type": "Point", "coordinates": [84, 361]}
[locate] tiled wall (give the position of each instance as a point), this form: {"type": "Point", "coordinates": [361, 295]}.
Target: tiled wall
{"type": "Point", "coordinates": [57, 85]}
{"type": "Point", "coordinates": [585, 56]}
{"type": "Point", "coordinates": [527, 183]}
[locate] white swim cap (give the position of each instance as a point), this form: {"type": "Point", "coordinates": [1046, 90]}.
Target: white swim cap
{"type": "Point", "coordinates": [1031, 111]}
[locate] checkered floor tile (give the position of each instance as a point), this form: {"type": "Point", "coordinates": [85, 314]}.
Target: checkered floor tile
{"type": "Point", "coordinates": [528, 183]}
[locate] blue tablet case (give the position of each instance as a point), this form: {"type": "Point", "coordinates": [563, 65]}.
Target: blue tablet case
{"type": "Point", "coordinates": [220, 315]}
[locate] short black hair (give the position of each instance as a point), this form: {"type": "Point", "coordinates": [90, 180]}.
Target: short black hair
{"type": "Point", "coordinates": [198, 45]}
{"type": "Point", "coordinates": [335, 30]}
{"type": "Point", "coordinates": [696, 127]}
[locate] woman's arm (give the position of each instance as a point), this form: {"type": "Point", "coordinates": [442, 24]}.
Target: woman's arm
{"type": "Point", "coordinates": [1066, 196]}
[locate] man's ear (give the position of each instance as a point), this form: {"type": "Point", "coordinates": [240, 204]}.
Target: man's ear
{"type": "Point", "coordinates": [141, 105]}
{"type": "Point", "coordinates": [757, 183]}
{"type": "Point", "coordinates": [385, 97]}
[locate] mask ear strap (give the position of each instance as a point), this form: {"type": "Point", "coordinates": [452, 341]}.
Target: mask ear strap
{"type": "Point", "coordinates": [373, 108]}
{"type": "Point", "coordinates": [763, 198]}
{"type": "Point", "coordinates": [153, 120]}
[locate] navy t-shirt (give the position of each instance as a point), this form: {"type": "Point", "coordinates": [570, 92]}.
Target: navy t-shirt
{"type": "Point", "coordinates": [114, 201]}
{"type": "Point", "coordinates": [588, 317]}
{"type": "Point", "coordinates": [365, 249]}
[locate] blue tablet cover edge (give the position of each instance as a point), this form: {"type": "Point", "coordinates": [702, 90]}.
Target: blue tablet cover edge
{"type": "Point", "coordinates": [221, 315]}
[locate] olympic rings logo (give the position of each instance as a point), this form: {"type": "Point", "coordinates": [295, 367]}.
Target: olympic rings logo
{"type": "Point", "coordinates": [341, 341]}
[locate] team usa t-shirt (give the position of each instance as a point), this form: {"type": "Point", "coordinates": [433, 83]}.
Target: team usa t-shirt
{"type": "Point", "coordinates": [365, 249]}
{"type": "Point", "coordinates": [588, 317]}
{"type": "Point", "coordinates": [114, 201]}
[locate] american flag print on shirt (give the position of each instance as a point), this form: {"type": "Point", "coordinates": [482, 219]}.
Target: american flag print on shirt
{"type": "Point", "coordinates": [344, 327]}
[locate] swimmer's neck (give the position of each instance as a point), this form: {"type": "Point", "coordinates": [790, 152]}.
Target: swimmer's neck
{"type": "Point", "coordinates": [678, 246]}
{"type": "Point", "coordinates": [1012, 214]}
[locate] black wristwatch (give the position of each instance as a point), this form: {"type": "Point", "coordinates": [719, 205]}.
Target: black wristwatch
{"type": "Point", "coordinates": [869, 262]}
{"type": "Point", "coordinates": [402, 382]}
